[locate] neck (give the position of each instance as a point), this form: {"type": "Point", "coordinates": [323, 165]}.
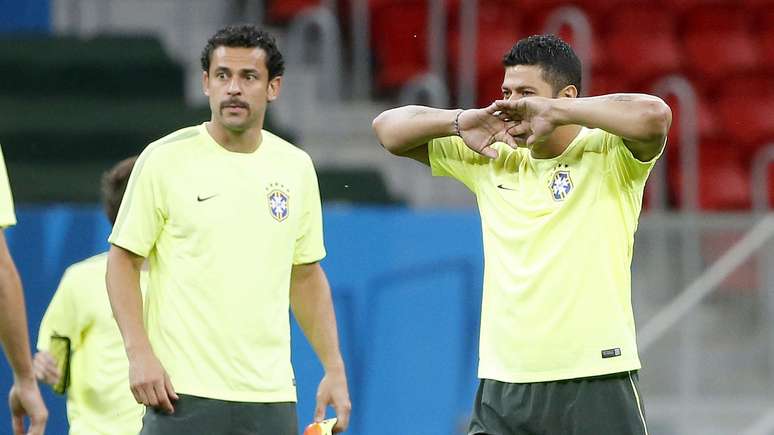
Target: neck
{"type": "Point", "coordinates": [559, 140]}
{"type": "Point", "coordinates": [245, 141]}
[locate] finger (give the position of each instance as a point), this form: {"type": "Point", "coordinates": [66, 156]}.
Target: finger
{"type": "Point", "coordinates": [48, 358]}
{"type": "Point", "coordinates": [342, 414]}
{"type": "Point", "coordinates": [55, 373]}
{"type": "Point", "coordinates": [38, 370]}
{"type": "Point", "coordinates": [150, 394]}
{"type": "Point", "coordinates": [505, 105]}
{"type": "Point", "coordinates": [502, 116]}
{"type": "Point", "coordinates": [510, 141]}
{"type": "Point", "coordinates": [488, 151]}
{"type": "Point", "coordinates": [139, 395]}
{"type": "Point", "coordinates": [170, 389]}
{"type": "Point", "coordinates": [160, 390]}
{"type": "Point", "coordinates": [519, 129]}
{"type": "Point", "coordinates": [492, 108]}
{"type": "Point", "coordinates": [319, 410]}
{"type": "Point", "coordinates": [37, 424]}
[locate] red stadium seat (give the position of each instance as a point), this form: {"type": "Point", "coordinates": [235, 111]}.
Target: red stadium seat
{"type": "Point", "coordinates": [285, 10]}
{"type": "Point", "coordinates": [745, 109]}
{"type": "Point", "coordinates": [723, 179]}
{"type": "Point", "coordinates": [399, 39]}
{"type": "Point", "coordinates": [608, 81]}
{"type": "Point", "coordinates": [718, 41]}
{"type": "Point", "coordinates": [708, 124]}
{"type": "Point", "coordinates": [765, 34]}
{"type": "Point", "coordinates": [767, 49]}
{"type": "Point", "coordinates": [651, 51]}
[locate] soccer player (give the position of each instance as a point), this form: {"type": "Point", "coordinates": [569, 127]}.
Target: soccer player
{"type": "Point", "coordinates": [559, 183]}
{"type": "Point", "coordinates": [229, 217]}
{"type": "Point", "coordinates": [80, 351]}
{"type": "Point", "coordinates": [24, 398]}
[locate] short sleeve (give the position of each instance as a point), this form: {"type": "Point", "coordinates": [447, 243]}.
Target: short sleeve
{"type": "Point", "coordinates": [629, 171]}
{"type": "Point", "coordinates": [143, 211]}
{"type": "Point", "coordinates": [450, 157]}
{"type": "Point", "coordinates": [65, 316]}
{"type": "Point", "coordinates": [7, 214]}
{"type": "Point", "coordinates": [310, 247]}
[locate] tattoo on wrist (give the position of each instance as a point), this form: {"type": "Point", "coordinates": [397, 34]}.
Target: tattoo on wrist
{"type": "Point", "coordinates": [457, 122]}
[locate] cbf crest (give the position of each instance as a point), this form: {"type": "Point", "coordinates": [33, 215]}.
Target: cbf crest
{"type": "Point", "coordinates": [278, 198]}
{"type": "Point", "coordinates": [560, 185]}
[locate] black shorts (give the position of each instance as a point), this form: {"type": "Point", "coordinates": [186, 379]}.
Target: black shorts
{"type": "Point", "coordinates": [200, 416]}
{"type": "Point", "coordinates": [599, 405]}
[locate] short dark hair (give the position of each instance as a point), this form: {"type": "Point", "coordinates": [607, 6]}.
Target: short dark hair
{"type": "Point", "coordinates": [561, 67]}
{"type": "Point", "coordinates": [248, 36]}
{"type": "Point", "coordinates": [114, 182]}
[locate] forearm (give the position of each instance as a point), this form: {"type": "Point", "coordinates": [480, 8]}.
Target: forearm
{"type": "Point", "coordinates": [405, 128]}
{"type": "Point", "coordinates": [636, 117]}
{"type": "Point", "coordinates": [312, 305]}
{"type": "Point", "coordinates": [123, 286]}
{"type": "Point", "coordinates": [13, 326]}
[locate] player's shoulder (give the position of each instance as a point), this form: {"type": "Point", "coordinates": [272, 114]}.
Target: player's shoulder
{"type": "Point", "coordinates": [169, 145]}
{"type": "Point", "coordinates": [88, 267]}
{"type": "Point", "coordinates": [595, 140]}
{"type": "Point", "coordinates": [289, 151]}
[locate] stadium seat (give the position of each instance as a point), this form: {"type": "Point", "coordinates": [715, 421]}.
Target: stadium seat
{"type": "Point", "coordinates": [399, 39]}
{"type": "Point", "coordinates": [650, 51]}
{"type": "Point", "coordinates": [718, 41]}
{"type": "Point", "coordinates": [723, 179]}
{"type": "Point", "coordinates": [284, 10]}
{"type": "Point", "coordinates": [708, 124]}
{"type": "Point", "coordinates": [765, 35]}
{"type": "Point", "coordinates": [608, 81]}
{"type": "Point", "coordinates": [744, 109]}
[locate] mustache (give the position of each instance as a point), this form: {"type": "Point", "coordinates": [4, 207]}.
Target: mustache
{"type": "Point", "coordinates": [234, 103]}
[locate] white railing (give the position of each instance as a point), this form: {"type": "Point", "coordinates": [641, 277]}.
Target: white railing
{"type": "Point", "coordinates": [689, 298]}
{"type": "Point", "coordinates": [580, 26]}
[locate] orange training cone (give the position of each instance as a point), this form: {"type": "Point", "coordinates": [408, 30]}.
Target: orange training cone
{"type": "Point", "coordinates": [324, 427]}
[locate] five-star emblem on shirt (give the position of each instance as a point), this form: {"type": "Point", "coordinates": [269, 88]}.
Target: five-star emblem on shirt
{"type": "Point", "coordinates": [560, 185]}
{"type": "Point", "coordinates": [278, 198]}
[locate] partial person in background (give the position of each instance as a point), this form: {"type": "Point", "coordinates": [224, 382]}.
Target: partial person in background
{"type": "Point", "coordinates": [229, 217]}
{"type": "Point", "coordinates": [559, 182]}
{"type": "Point", "coordinates": [80, 352]}
{"type": "Point", "coordinates": [24, 398]}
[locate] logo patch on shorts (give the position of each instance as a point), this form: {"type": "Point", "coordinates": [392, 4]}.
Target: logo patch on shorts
{"type": "Point", "coordinates": [279, 201]}
{"type": "Point", "coordinates": [611, 353]}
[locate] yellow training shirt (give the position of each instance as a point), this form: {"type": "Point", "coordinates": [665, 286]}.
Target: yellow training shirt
{"type": "Point", "coordinates": [7, 215]}
{"type": "Point", "coordinates": [222, 231]}
{"type": "Point", "coordinates": [558, 237]}
{"type": "Point", "coordinates": [99, 401]}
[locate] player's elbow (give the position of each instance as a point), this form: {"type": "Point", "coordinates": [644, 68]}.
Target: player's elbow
{"type": "Point", "coordinates": [658, 118]}
{"type": "Point", "coordinates": [382, 128]}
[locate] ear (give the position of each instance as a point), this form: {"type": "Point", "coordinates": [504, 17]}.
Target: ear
{"type": "Point", "coordinates": [274, 87]}
{"type": "Point", "coordinates": [569, 91]}
{"type": "Point", "coordinates": [205, 83]}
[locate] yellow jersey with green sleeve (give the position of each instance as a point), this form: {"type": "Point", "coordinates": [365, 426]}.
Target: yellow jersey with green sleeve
{"type": "Point", "coordinates": [99, 400]}
{"type": "Point", "coordinates": [222, 231]}
{"type": "Point", "coordinates": [7, 214]}
{"type": "Point", "coordinates": [558, 237]}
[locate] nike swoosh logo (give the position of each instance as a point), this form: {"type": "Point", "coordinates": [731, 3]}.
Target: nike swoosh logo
{"type": "Point", "coordinates": [200, 198]}
{"type": "Point", "coordinates": [500, 186]}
